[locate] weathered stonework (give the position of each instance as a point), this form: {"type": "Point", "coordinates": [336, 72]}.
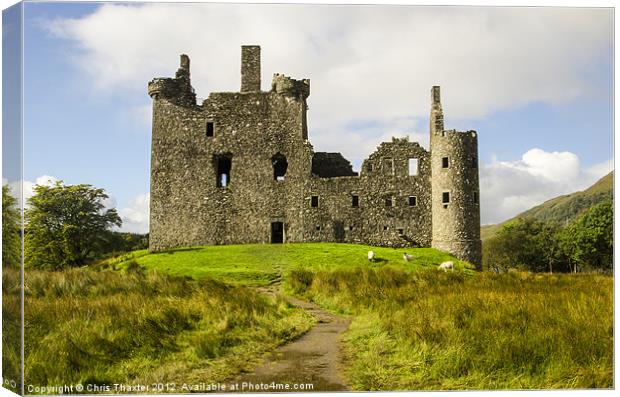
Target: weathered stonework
{"type": "Point", "coordinates": [239, 168]}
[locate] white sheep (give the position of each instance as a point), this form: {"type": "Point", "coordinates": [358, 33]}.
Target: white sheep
{"type": "Point", "coordinates": [371, 256]}
{"type": "Point", "coordinates": [446, 265]}
{"type": "Point", "coordinates": [407, 257]}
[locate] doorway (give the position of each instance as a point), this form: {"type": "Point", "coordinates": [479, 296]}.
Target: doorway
{"type": "Point", "coordinates": [277, 232]}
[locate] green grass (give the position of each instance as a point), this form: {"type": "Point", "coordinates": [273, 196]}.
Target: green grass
{"type": "Point", "coordinates": [262, 264]}
{"type": "Point", "coordinates": [11, 328]}
{"type": "Point", "coordinates": [137, 327]}
{"type": "Point", "coordinates": [449, 331]}
{"type": "Point", "coordinates": [413, 327]}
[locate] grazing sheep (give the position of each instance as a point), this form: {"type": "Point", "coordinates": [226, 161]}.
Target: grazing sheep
{"type": "Point", "coordinates": [407, 257]}
{"type": "Point", "coordinates": [446, 265]}
{"type": "Point", "coordinates": [371, 256]}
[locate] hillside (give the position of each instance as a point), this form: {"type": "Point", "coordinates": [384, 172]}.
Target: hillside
{"type": "Point", "coordinates": [564, 208]}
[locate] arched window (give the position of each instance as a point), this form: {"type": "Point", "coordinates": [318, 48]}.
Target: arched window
{"type": "Point", "coordinates": [279, 166]}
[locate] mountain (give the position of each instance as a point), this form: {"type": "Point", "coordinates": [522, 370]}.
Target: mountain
{"type": "Point", "coordinates": [562, 209]}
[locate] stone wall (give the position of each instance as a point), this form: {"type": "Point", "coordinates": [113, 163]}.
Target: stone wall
{"type": "Point", "coordinates": [329, 165]}
{"type": "Point", "coordinates": [244, 134]}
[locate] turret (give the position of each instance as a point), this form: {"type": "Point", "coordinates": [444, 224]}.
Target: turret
{"type": "Point", "coordinates": [287, 86]}
{"type": "Point", "coordinates": [178, 89]}
{"type": "Point", "coordinates": [455, 188]}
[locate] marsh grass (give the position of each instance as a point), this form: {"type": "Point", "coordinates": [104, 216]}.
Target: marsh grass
{"type": "Point", "coordinates": [452, 331]}
{"type": "Point", "coordinates": [11, 328]}
{"type": "Point", "coordinates": [137, 326]}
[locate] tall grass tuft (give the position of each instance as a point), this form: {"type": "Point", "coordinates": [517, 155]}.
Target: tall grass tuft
{"type": "Point", "coordinates": [11, 328]}
{"type": "Point", "coordinates": [136, 326]}
{"type": "Point", "coordinates": [450, 331]}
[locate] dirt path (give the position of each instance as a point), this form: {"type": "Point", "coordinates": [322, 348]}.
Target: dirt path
{"type": "Point", "coordinates": [314, 358]}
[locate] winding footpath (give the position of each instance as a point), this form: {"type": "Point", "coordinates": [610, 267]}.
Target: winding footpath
{"type": "Point", "coordinates": [314, 358]}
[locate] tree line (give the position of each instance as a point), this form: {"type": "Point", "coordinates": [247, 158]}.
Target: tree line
{"type": "Point", "coordinates": [65, 226]}
{"type": "Point", "coordinates": [585, 244]}
{"type": "Point", "coordinates": [69, 226]}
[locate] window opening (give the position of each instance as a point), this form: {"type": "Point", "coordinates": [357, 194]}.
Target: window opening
{"type": "Point", "coordinates": [389, 165]}
{"type": "Point", "coordinates": [210, 128]}
{"type": "Point", "coordinates": [223, 165]}
{"type": "Point", "coordinates": [413, 167]}
{"type": "Point", "coordinates": [445, 199]}
{"type": "Point", "coordinates": [280, 165]}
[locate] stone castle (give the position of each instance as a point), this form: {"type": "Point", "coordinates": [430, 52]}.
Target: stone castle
{"type": "Point", "coordinates": [239, 168]}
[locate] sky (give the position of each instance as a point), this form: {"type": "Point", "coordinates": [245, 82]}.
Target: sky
{"type": "Point", "coordinates": [536, 83]}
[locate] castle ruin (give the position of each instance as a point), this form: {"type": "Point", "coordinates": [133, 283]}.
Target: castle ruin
{"type": "Point", "coordinates": [238, 168]}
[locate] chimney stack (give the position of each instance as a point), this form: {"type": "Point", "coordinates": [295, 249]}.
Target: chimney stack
{"type": "Point", "coordinates": [250, 68]}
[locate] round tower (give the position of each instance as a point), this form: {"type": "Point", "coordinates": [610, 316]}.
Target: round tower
{"type": "Point", "coordinates": [455, 188]}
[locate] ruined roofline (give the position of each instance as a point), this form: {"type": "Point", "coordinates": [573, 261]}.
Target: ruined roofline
{"type": "Point", "coordinates": [177, 87]}
{"type": "Point", "coordinates": [281, 84]}
{"type": "Point", "coordinates": [331, 165]}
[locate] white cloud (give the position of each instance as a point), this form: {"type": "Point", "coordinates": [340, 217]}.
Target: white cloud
{"type": "Point", "coordinates": [46, 180]}
{"type": "Point", "coordinates": [109, 203]}
{"type": "Point", "coordinates": [28, 186]}
{"type": "Point", "coordinates": [136, 216]}
{"type": "Point", "coordinates": [357, 141]}
{"type": "Point", "coordinates": [370, 63]}
{"type": "Point", "coordinates": [510, 187]}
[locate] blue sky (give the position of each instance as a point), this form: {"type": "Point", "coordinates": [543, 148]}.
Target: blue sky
{"type": "Point", "coordinates": [537, 84]}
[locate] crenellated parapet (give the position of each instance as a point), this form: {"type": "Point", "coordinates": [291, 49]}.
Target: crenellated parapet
{"type": "Point", "coordinates": [178, 89]}
{"type": "Point", "coordinates": [287, 86]}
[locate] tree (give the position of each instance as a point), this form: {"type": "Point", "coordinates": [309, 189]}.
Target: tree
{"type": "Point", "coordinates": [588, 241]}
{"type": "Point", "coordinates": [66, 225]}
{"type": "Point", "coordinates": [118, 242]}
{"type": "Point", "coordinates": [11, 230]}
{"type": "Point", "coordinates": [527, 244]}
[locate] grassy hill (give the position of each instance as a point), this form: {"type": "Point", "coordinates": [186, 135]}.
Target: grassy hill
{"type": "Point", "coordinates": [412, 327]}
{"type": "Point", "coordinates": [263, 264]}
{"type": "Point", "coordinates": [564, 208]}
